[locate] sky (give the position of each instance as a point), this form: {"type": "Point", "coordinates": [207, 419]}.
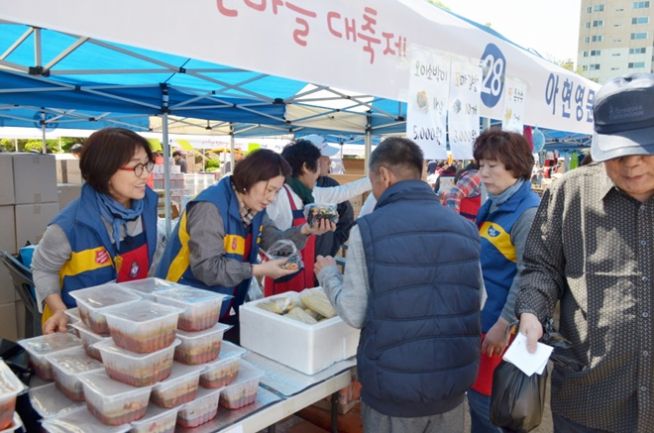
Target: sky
{"type": "Point", "coordinates": [551, 27]}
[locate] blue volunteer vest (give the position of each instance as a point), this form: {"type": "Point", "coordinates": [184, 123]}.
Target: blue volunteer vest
{"type": "Point", "coordinates": [93, 255]}
{"type": "Point", "coordinates": [498, 254]}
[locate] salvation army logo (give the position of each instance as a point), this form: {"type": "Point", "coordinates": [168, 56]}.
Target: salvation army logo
{"type": "Point", "coordinates": [234, 244]}
{"type": "Point", "coordinates": [493, 64]}
{"type": "Point", "coordinates": [101, 257]}
{"type": "Point", "coordinates": [492, 232]}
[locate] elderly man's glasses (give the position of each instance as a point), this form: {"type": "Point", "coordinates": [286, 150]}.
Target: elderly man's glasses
{"type": "Point", "coordinates": [139, 168]}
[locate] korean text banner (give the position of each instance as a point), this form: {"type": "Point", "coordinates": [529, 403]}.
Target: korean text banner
{"type": "Point", "coordinates": [352, 44]}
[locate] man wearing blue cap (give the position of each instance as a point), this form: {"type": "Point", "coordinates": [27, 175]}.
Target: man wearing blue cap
{"type": "Point", "coordinates": [591, 248]}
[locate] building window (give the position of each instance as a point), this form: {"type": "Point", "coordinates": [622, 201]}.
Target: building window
{"type": "Point", "coordinates": [588, 25]}
{"type": "Point", "coordinates": [584, 68]}
{"type": "Point", "coordinates": [597, 38]}
{"type": "Point", "coordinates": [594, 67]}
{"type": "Point", "coordinates": [640, 20]}
{"type": "Point", "coordinates": [598, 8]}
{"type": "Point", "coordinates": [585, 53]}
{"type": "Point", "coordinates": [589, 9]}
{"type": "Point", "coordinates": [616, 54]}
{"type": "Point", "coordinates": [638, 36]}
{"type": "Point", "coordinates": [636, 65]}
{"type": "Point", "coordinates": [641, 5]}
{"type": "Point", "coordinates": [640, 50]}
{"type": "Point", "coordinates": [587, 39]}
{"type": "Point", "coordinates": [598, 23]}
{"type": "Point", "coordinates": [595, 53]}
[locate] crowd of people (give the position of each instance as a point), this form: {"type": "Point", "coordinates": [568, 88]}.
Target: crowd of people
{"type": "Point", "coordinates": [437, 283]}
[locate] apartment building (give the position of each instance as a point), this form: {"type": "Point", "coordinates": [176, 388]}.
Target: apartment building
{"type": "Point", "coordinates": [616, 37]}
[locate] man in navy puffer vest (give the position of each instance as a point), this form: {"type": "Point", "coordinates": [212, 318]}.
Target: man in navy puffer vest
{"type": "Point", "coordinates": [412, 284]}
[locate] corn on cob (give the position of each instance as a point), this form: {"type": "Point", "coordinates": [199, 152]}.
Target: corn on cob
{"type": "Point", "coordinates": [317, 301]}
{"type": "Point", "coordinates": [299, 314]}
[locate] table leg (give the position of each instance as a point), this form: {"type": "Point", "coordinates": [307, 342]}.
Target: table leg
{"type": "Point", "coordinates": [334, 412]}
{"type": "Point", "coordinates": [272, 428]}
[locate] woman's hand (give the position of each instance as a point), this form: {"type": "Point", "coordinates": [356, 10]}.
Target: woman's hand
{"type": "Point", "coordinates": [496, 339]}
{"type": "Point", "coordinates": [323, 226]}
{"type": "Point", "coordinates": [56, 323]}
{"type": "Point", "coordinates": [272, 269]}
{"type": "Point", "coordinates": [322, 263]}
{"type": "Point", "coordinates": [531, 327]}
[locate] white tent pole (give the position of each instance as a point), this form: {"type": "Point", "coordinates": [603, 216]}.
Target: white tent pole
{"type": "Point", "coordinates": [232, 146]}
{"type": "Point", "coordinates": [485, 123]}
{"type": "Point", "coordinates": [166, 156]}
{"type": "Point", "coordinates": [44, 143]}
{"type": "Point", "coordinates": [368, 147]}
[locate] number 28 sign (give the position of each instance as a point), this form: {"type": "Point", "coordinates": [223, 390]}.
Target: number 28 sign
{"type": "Point", "coordinates": [493, 64]}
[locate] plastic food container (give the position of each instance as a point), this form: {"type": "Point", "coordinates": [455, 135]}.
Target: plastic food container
{"type": "Point", "coordinates": [223, 371]}
{"type": "Point", "coordinates": [114, 403]}
{"type": "Point", "coordinates": [89, 338]}
{"type": "Point", "coordinates": [73, 315]}
{"type": "Point", "coordinates": [244, 389]}
{"type": "Point", "coordinates": [136, 369]}
{"type": "Point", "coordinates": [142, 327]}
{"type": "Point", "coordinates": [286, 249]}
{"type": "Point", "coordinates": [48, 401]}
{"type": "Point", "coordinates": [201, 307]}
{"type": "Point", "coordinates": [93, 300]}
{"type": "Point", "coordinates": [147, 286]}
{"type": "Point", "coordinates": [68, 366]}
{"type": "Point", "coordinates": [200, 347]}
{"type": "Point", "coordinates": [38, 347]}
{"type": "Point", "coordinates": [200, 410]}
{"type": "Point", "coordinates": [180, 387]}
{"type": "Point", "coordinates": [80, 421]}
{"type": "Point", "coordinates": [315, 212]}
{"type": "Point", "coordinates": [156, 420]}
{"type": "Point", "coordinates": [10, 387]}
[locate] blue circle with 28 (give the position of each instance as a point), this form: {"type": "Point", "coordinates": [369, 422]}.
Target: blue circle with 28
{"type": "Point", "coordinates": [493, 65]}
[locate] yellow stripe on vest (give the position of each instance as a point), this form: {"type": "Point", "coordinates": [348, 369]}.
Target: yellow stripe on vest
{"type": "Point", "coordinates": [234, 244]}
{"type": "Point", "coordinates": [181, 261]}
{"type": "Point", "coordinates": [499, 238]}
{"type": "Point", "coordinates": [85, 261]}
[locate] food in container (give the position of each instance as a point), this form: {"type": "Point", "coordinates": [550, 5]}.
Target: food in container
{"type": "Point", "coordinates": [243, 391]}
{"type": "Point", "coordinates": [73, 317]}
{"type": "Point", "coordinates": [48, 401]}
{"type": "Point", "coordinates": [201, 307]}
{"type": "Point", "coordinates": [142, 327]}
{"type": "Point", "coordinates": [201, 346]}
{"type": "Point", "coordinates": [10, 387]}
{"type": "Point", "coordinates": [200, 410]}
{"type": "Point", "coordinates": [316, 300]}
{"type": "Point", "coordinates": [80, 421]}
{"type": "Point", "coordinates": [180, 387]}
{"type": "Point", "coordinates": [315, 212]}
{"type": "Point", "coordinates": [156, 420]}
{"type": "Point", "coordinates": [148, 286]}
{"type": "Point", "coordinates": [285, 249]}
{"type": "Point", "coordinates": [224, 370]}
{"type": "Point", "coordinates": [136, 369]}
{"type": "Point", "coordinates": [114, 403]}
{"type": "Point", "coordinates": [68, 366]}
{"type": "Point", "coordinates": [89, 338]}
{"type": "Point", "coordinates": [38, 347]}
{"type": "Point", "coordinates": [93, 300]}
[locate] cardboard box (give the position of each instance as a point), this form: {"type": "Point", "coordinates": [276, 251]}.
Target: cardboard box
{"type": "Point", "coordinates": [68, 171]}
{"type": "Point", "coordinates": [306, 348]}
{"type": "Point", "coordinates": [67, 193]}
{"type": "Point", "coordinates": [32, 220]}
{"type": "Point", "coordinates": [6, 179]}
{"type": "Point", "coordinates": [8, 321]}
{"type": "Point", "coordinates": [7, 292]}
{"type": "Point", "coordinates": [35, 179]}
{"type": "Point", "coordinates": [8, 230]}
{"type": "Point", "coordinates": [21, 316]}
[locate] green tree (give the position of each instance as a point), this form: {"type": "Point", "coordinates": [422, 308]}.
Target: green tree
{"type": "Point", "coordinates": [439, 4]}
{"type": "Point", "coordinates": [7, 145]}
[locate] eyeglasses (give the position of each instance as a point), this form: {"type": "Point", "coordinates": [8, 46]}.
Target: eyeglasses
{"type": "Point", "coordinates": [138, 168]}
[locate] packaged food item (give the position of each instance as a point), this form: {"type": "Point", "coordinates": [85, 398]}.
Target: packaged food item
{"type": "Point", "coordinates": [316, 300]}
{"type": "Point", "coordinates": [156, 420]}
{"type": "Point", "coordinates": [136, 369]}
{"type": "Point", "coordinates": [286, 249]}
{"type": "Point", "coordinates": [80, 421]}
{"type": "Point", "coordinates": [180, 387]}
{"type": "Point", "coordinates": [38, 347]}
{"type": "Point", "coordinates": [93, 300]}
{"type": "Point", "coordinates": [316, 212]}
{"type": "Point", "coordinates": [89, 338]}
{"type": "Point", "coordinates": [73, 315]}
{"type": "Point", "coordinates": [15, 425]}
{"type": "Point", "coordinates": [68, 366]}
{"type": "Point", "coordinates": [148, 286]}
{"type": "Point", "coordinates": [114, 403]}
{"type": "Point", "coordinates": [10, 387]}
{"type": "Point", "coordinates": [281, 305]}
{"type": "Point", "coordinates": [243, 391]}
{"type": "Point", "coordinates": [222, 372]}
{"type": "Point", "coordinates": [49, 402]}
{"type": "Point", "coordinates": [201, 307]}
{"type": "Point", "coordinates": [142, 327]}
{"type": "Point", "coordinates": [200, 347]}
{"type": "Point", "coordinates": [201, 410]}
{"type": "Point", "coordinates": [299, 314]}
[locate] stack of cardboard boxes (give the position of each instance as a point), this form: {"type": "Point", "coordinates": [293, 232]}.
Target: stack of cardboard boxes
{"type": "Point", "coordinates": [28, 202]}
{"type": "Point", "coordinates": [69, 179]}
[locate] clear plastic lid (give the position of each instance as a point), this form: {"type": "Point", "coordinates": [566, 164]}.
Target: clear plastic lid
{"type": "Point", "coordinates": [45, 344]}
{"type": "Point", "coordinates": [103, 385]}
{"type": "Point", "coordinates": [228, 352]}
{"type": "Point", "coordinates": [246, 373]}
{"type": "Point", "coordinates": [110, 347]}
{"type": "Point", "coordinates": [48, 401]}
{"type": "Point", "coordinates": [190, 295]}
{"type": "Point", "coordinates": [83, 329]}
{"type": "Point", "coordinates": [179, 373]}
{"type": "Point", "coordinates": [73, 315]}
{"type": "Point", "coordinates": [217, 328]}
{"type": "Point", "coordinates": [104, 295]}
{"type": "Point", "coordinates": [80, 421]}
{"type": "Point", "coordinates": [142, 312]}
{"type": "Point", "coordinates": [74, 361]}
{"type": "Point", "coordinates": [155, 413]}
{"type": "Point", "coordinates": [10, 385]}
{"type": "Point", "coordinates": [149, 285]}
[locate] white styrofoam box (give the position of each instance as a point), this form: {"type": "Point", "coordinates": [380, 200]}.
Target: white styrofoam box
{"type": "Point", "coordinates": [35, 178]}
{"type": "Point", "coordinates": [8, 232]}
{"type": "Point", "coordinates": [32, 220]}
{"type": "Point", "coordinates": [6, 179]}
{"type": "Point", "coordinates": [306, 348]}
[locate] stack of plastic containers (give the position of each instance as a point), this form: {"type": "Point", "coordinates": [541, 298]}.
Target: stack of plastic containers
{"type": "Point", "coordinates": [93, 301]}
{"type": "Point", "coordinates": [201, 307]}
{"type": "Point", "coordinates": [10, 387]}
{"type": "Point", "coordinates": [38, 347]}
{"type": "Point", "coordinates": [67, 368]}
{"type": "Point", "coordinates": [148, 286]}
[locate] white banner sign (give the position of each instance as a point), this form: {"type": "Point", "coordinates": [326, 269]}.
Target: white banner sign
{"type": "Point", "coordinates": [354, 45]}
{"type": "Point", "coordinates": [463, 115]}
{"type": "Point", "coordinates": [429, 86]}
{"type": "Point", "coordinates": [514, 105]}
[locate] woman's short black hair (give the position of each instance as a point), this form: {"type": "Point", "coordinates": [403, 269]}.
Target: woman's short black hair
{"type": "Point", "coordinates": [510, 148]}
{"type": "Point", "coordinates": [300, 152]}
{"type": "Point", "coordinates": [260, 165]}
{"type": "Point", "coordinates": [105, 151]}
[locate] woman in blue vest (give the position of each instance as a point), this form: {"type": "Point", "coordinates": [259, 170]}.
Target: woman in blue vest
{"type": "Point", "coordinates": [216, 242]}
{"type": "Point", "coordinates": [505, 162]}
{"type": "Point", "coordinates": [108, 233]}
